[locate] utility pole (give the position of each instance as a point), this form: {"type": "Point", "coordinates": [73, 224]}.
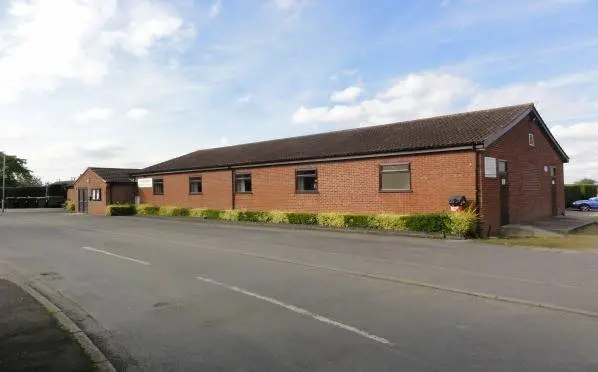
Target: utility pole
{"type": "Point", "coordinates": [3, 178]}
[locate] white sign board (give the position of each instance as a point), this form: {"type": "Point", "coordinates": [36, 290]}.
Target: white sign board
{"type": "Point", "coordinates": [144, 182]}
{"type": "Point", "coordinates": [490, 167]}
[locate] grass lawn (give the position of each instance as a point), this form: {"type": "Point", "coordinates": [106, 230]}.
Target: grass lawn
{"type": "Point", "coordinates": [586, 238]}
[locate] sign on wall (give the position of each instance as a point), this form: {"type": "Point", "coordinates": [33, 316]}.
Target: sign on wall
{"type": "Point", "coordinates": [490, 167]}
{"type": "Point", "coordinates": [144, 182]}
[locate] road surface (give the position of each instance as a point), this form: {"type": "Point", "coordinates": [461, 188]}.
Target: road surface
{"type": "Point", "coordinates": [169, 295]}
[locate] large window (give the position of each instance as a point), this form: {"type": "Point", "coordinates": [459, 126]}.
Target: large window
{"type": "Point", "coordinates": [158, 186]}
{"type": "Point", "coordinates": [194, 185]}
{"type": "Point", "coordinates": [243, 182]}
{"type": "Point", "coordinates": [395, 177]}
{"type": "Point", "coordinates": [306, 180]}
{"type": "Point", "coordinates": [96, 194]}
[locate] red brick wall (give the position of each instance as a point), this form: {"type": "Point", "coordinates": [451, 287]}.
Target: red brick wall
{"type": "Point", "coordinates": [90, 180]}
{"type": "Point", "coordinates": [216, 191]}
{"type": "Point", "coordinates": [121, 193]}
{"type": "Point", "coordinates": [529, 185]}
{"type": "Point", "coordinates": [347, 186]}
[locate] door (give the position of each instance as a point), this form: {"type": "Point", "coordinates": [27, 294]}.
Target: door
{"type": "Point", "coordinates": [504, 192]}
{"type": "Point", "coordinates": [83, 200]}
{"type": "Point", "coordinates": [553, 190]}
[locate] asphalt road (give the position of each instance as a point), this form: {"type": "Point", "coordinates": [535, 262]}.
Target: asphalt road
{"type": "Point", "coordinates": [181, 296]}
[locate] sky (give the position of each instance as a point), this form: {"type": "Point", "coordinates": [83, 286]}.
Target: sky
{"type": "Point", "coordinates": [130, 83]}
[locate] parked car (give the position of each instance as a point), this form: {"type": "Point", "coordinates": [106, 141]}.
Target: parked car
{"type": "Point", "coordinates": [586, 205]}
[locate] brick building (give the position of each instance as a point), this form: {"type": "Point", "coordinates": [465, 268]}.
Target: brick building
{"type": "Point", "coordinates": [504, 161]}
{"type": "Point", "coordinates": [98, 187]}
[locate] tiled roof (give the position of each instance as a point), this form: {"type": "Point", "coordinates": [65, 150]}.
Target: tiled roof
{"type": "Point", "coordinates": [423, 134]}
{"type": "Point", "coordinates": [114, 174]}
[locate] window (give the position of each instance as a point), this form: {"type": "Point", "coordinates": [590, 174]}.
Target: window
{"type": "Point", "coordinates": [158, 185]}
{"type": "Point", "coordinates": [194, 185]}
{"type": "Point", "coordinates": [552, 171]}
{"type": "Point", "coordinates": [96, 194]}
{"type": "Point", "coordinates": [306, 180]}
{"type": "Point", "coordinates": [502, 167]}
{"type": "Point", "coordinates": [531, 140]}
{"type": "Point", "coordinates": [395, 177]}
{"type": "Point", "coordinates": [243, 182]}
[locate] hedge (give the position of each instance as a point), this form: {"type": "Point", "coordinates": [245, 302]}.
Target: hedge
{"type": "Point", "coordinates": [69, 206]}
{"type": "Point", "coordinates": [121, 210]}
{"type": "Point", "coordinates": [579, 192]}
{"type": "Point", "coordinates": [459, 224]}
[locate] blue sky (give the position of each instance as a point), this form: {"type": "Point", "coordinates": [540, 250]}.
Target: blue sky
{"type": "Point", "coordinates": [131, 83]}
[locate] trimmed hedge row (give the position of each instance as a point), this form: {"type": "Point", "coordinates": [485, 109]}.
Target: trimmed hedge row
{"type": "Point", "coordinates": [459, 224]}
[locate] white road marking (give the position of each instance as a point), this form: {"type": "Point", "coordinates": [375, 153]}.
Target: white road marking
{"type": "Point", "coordinates": [300, 311]}
{"type": "Point", "coordinates": [116, 255]}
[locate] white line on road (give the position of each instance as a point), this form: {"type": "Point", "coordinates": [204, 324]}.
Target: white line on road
{"type": "Point", "coordinates": [116, 255]}
{"type": "Point", "coordinates": [299, 310]}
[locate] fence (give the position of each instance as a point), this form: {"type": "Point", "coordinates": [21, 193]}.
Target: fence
{"type": "Point", "coordinates": [50, 196]}
{"type": "Point", "coordinates": [579, 192]}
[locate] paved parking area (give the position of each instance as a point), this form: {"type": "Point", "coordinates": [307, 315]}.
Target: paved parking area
{"type": "Point", "coordinates": [207, 296]}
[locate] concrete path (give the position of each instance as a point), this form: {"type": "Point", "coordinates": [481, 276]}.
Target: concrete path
{"type": "Point", "coordinates": [31, 339]}
{"type": "Point", "coordinates": [186, 296]}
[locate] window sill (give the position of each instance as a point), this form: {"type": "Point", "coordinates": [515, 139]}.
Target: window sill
{"type": "Point", "coordinates": [396, 191]}
{"type": "Point", "coordinates": [195, 193]}
{"type": "Point", "coordinates": [243, 192]}
{"type": "Point", "coordinates": [307, 192]}
{"type": "Point", "coordinates": [158, 194]}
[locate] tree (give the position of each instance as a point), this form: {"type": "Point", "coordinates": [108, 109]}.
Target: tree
{"type": "Point", "coordinates": [586, 181]}
{"type": "Point", "coordinates": [17, 173]}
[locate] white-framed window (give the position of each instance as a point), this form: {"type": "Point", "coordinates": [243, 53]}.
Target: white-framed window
{"type": "Point", "coordinates": [395, 177]}
{"type": "Point", "coordinates": [530, 139]}
{"type": "Point", "coordinates": [96, 194]}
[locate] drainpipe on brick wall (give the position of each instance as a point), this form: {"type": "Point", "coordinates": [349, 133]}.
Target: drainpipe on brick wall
{"type": "Point", "coordinates": [232, 188]}
{"type": "Point", "coordinates": [478, 180]}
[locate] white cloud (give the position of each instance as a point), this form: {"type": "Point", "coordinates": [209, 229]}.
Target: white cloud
{"type": "Point", "coordinates": [137, 113]}
{"type": "Point", "coordinates": [245, 98]}
{"type": "Point", "coordinates": [286, 4]}
{"type": "Point", "coordinates": [43, 48]}
{"type": "Point", "coordinates": [215, 8]}
{"type": "Point", "coordinates": [346, 95]}
{"type": "Point", "coordinates": [96, 113]}
{"type": "Point", "coordinates": [335, 114]}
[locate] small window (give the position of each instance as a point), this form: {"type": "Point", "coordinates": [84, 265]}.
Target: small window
{"type": "Point", "coordinates": [194, 185]}
{"type": "Point", "coordinates": [552, 171]}
{"type": "Point", "coordinates": [395, 177]}
{"type": "Point", "coordinates": [502, 167]}
{"type": "Point", "coordinates": [158, 185]}
{"type": "Point", "coordinates": [243, 182]}
{"type": "Point", "coordinates": [531, 140]}
{"type": "Point", "coordinates": [96, 194]}
{"type": "Point", "coordinates": [306, 180]}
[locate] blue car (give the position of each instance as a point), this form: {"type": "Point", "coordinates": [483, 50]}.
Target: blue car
{"type": "Point", "coordinates": [586, 205]}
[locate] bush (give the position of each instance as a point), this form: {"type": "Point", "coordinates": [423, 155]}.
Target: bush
{"type": "Point", "coordinates": [390, 222]}
{"type": "Point", "coordinates": [463, 223]}
{"type": "Point", "coordinates": [173, 212]}
{"type": "Point", "coordinates": [69, 205]}
{"type": "Point", "coordinates": [359, 221]}
{"type": "Point", "coordinates": [331, 219]}
{"type": "Point", "coordinates": [253, 216]}
{"type": "Point", "coordinates": [432, 222]}
{"type": "Point", "coordinates": [121, 210]}
{"type": "Point", "coordinates": [147, 210]}
{"type": "Point", "coordinates": [196, 212]}
{"type": "Point", "coordinates": [302, 218]}
{"type": "Point", "coordinates": [276, 217]}
{"type": "Point", "coordinates": [230, 215]}
{"type": "Point", "coordinates": [211, 214]}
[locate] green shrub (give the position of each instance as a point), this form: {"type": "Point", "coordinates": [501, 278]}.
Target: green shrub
{"type": "Point", "coordinates": [359, 221]}
{"type": "Point", "coordinates": [196, 212]}
{"type": "Point", "coordinates": [331, 219]}
{"type": "Point", "coordinates": [302, 218]}
{"type": "Point", "coordinates": [173, 212]}
{"type": "Point", "coordinates": [463, 223]}
{"type": "Point", "coordinates": [254, 216]}
{"type": "Point", "coordinates": [394, 222]}
{"type": "Point", "coordinates": [69, 206]}
{"type": "Point", "coordinates": [147, 210]}
{"type": "Point", "coordinates": [432, 222]}
{"type": "Point", "coordinates": [230, 215]}
{"type": "Point", "coordinates": [121, 210]}
{"type": "Point", "coordinates": [276, 217]}
{"type": "Point", "coordinates": [211, 214]}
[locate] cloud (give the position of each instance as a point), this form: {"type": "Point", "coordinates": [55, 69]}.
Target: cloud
{"type": "Point", "coordinates": [346, 95]}
{"type": "Point", "coordinates": [215, 8]}
{"type": "Point", "coordinates": [96, 113]}
{"type": "Point", "coordinates": [286, 4]}
{"type": "Point", "coordinates": [581, 148]}
{"type": "Point", "coordinates": [245, 98]}
{"type": "Point", "coordinates": [335, 114]}
{"type": "Point", "coordinates": [43, 48]}
{"type": "Point", "coordinates": [137, 113]}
